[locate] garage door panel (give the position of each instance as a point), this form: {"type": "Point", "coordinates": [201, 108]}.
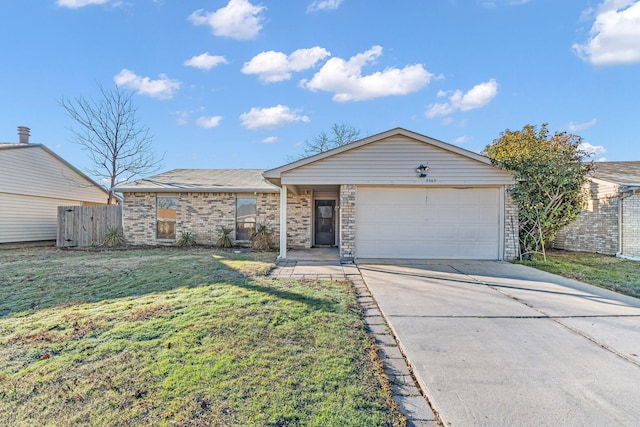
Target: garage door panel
{"type": "Point", "coordinates": [487, 214]}
{"type": "Point", "coordinates": [427, 223]}
{"type": "Point", "coordinates": [392, 214]}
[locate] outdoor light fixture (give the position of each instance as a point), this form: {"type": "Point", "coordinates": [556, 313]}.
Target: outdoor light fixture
{"type": "Point", "coordinates": [422, 171]}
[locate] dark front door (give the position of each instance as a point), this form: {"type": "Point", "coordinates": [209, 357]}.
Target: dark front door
{"type": "Point", "coordinates": [325, 213]}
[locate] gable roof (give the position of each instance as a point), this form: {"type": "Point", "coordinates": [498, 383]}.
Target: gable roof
{"type": "Point", "coordinates": [622, 173]}
{"type": "Point", "coordinates": [274, 174]}
{"type": "Point", "coordinates": [13, 147]}
{"type": "Point", "coordinates": [203, 180]}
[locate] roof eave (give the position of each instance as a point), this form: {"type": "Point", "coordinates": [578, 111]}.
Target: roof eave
{"type": "Point", "coordinates": [196, 190]}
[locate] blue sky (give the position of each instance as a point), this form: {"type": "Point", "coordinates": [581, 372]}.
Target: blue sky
{"type": "Point", "coordinates": [243, 83]}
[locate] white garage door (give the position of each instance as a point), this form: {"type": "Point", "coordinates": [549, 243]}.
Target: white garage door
{"type": "Point", "coordinates": [436, 223]}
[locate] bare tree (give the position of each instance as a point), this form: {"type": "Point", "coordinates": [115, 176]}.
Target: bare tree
{"type": "Point", "coordinates": [108, 129]}
{"type": "Point", "coordinates": [340, 134]}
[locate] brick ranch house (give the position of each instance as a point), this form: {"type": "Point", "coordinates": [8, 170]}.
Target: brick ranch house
{"type": "Point", "coordinates": [397, 194]}
{"type": "Point", "coordinates": [610, 219]}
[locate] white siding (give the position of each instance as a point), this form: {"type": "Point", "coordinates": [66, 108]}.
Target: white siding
{"type": "Point", "coordinates": [599, 189]}
{"type": "Point", "coordinates": [35, 172]}
{"type": "Point", "coordinates": [393, 161]}
{"type": "Point", "coordinates": [33, 183]}
{"type": "Point", "coordinates": [28, 218]}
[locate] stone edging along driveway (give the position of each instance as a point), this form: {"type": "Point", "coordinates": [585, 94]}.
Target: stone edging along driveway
{"type": "Point", "coordinates": [406, 392]}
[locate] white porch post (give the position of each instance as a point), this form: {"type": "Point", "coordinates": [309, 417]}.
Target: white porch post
{"type": "Point", "coordinates": [283, 222]}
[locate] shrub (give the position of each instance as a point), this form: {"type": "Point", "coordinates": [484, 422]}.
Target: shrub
{"type": "Point", "coordinates": [113, 237]}
{"type": "Point", "coordinates": [261, 238]}
{"type": "Point", "coordinates": [186, 239]}
{"type": "Point", "coordinates": [224, 241]}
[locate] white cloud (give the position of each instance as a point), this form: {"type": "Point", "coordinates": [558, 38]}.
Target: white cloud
{"type": "Point", "coordinates": [587, 14]}
{"type": "Point", "coordinates": [575, 127]}
{"type": "Point", "coordinates": [271, 117]}
{"type": "Point", "coordinates": [345, 78]}
{"type": "Point", "coordinates": [183, 117]}
{"type": "Point", "coordinates": [478, 96]}
{"type": "Point", "coordinates": [614, 37]}
{"type": "Point", "coordinates": [270, 140]}
{"type": "Point", "coordinates": [462, 139]}
{"type": "Point", "coordinates": [205, 61]}
{"type": "Point", "coordinates": [162, 88]}
{"type": "Point", "coordinates": [324, 5]}
{"type": "Point", "coordinates": [75, 4]}
{"type": "Point", "coordinates": [239, 20]}
{"type": "Point", "coordinates": [593, 150]}
{"type": "Point", "coordinates": [208, 122]}
{"type": "Point", "coordinates": [272, 66]}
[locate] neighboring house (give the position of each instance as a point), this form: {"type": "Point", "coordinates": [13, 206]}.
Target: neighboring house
{"type": "Point", "coordinates": [610, 219]}
{"type": "Point", "coordinates": [34, 181]}
{"type": "Point", "coordinates": [397, 194]}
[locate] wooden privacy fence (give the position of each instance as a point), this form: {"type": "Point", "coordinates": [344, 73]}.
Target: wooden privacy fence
{"type": "Point", "coordinates": [86, 225]}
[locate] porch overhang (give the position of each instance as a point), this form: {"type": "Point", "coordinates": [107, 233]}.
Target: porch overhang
{"type": "Point", "coordinates": [322, 191]}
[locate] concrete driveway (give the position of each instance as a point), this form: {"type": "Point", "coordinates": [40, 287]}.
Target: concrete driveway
{"type": "Point", "coordinates": [498, 344]}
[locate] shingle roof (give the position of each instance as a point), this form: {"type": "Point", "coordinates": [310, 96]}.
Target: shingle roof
{"type": "Point", "coordinates": [203, 180]}
{"type": "Point", "coordinates": [624, 173]}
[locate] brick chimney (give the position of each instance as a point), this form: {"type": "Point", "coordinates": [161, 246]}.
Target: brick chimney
{"type": "Point", "coordinates": [23, 133]}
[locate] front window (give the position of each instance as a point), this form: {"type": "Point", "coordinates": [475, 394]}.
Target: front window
{"type": "Point", "coordinates": [166, 214]}
{"type": "Point", "coordinates": [245, 217]}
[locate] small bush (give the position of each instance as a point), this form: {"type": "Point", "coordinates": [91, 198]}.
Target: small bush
{"type": "Point", "coordinates": [114, 237]}
{"type": "Point", "coordinates": [261, 238]}
{"type": "Point", "coordinates": [186, 239]}
{"type": "Point", "coordinates": [224, 241]}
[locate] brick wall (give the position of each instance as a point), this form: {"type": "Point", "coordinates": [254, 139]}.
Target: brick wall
{"type": "Point", "coordinates": [200, 213]}
{"type": "Point", "coordinates": [139, 218]}
{"type": "Point", "coordinates": [511, 228]}
{"type": "Point", "coordinates": [347, 221]}
{"type": "Point", "coordinates": [596, 228]}
{"type": "Point", "coordinates": [204, 213]}
{"type": "Point", "coordinates": [299, 226]}
{"type": "Point", "coordinates": [631, 226]}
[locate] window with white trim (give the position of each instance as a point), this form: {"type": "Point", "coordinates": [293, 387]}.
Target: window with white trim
{"type": "Point", "coordinates": [246, 212]}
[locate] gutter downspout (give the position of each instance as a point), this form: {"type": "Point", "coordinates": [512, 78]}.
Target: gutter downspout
{"type": "Point", "coordinates": [621, 197]}
{"type": "Point", "coordinates": [620, 233]}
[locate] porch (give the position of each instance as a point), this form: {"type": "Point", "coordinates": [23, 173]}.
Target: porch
{"type": "Point", "coordinates": [320, 255]}
{"type": "Point", "coordinates": [316, 264]}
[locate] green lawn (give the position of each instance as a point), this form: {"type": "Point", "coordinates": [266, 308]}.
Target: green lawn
{"type": "Point", "coordinates": [180, 337]}
{"type": "Point", "coordinates": [608, 272]}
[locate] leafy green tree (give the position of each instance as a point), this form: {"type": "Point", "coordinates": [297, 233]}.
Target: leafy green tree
{"type": "Point", "coordinates": [550, 172]}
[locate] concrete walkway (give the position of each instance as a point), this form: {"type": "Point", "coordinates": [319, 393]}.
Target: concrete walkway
{"type": "Point", "coordinates": [498, 344]}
